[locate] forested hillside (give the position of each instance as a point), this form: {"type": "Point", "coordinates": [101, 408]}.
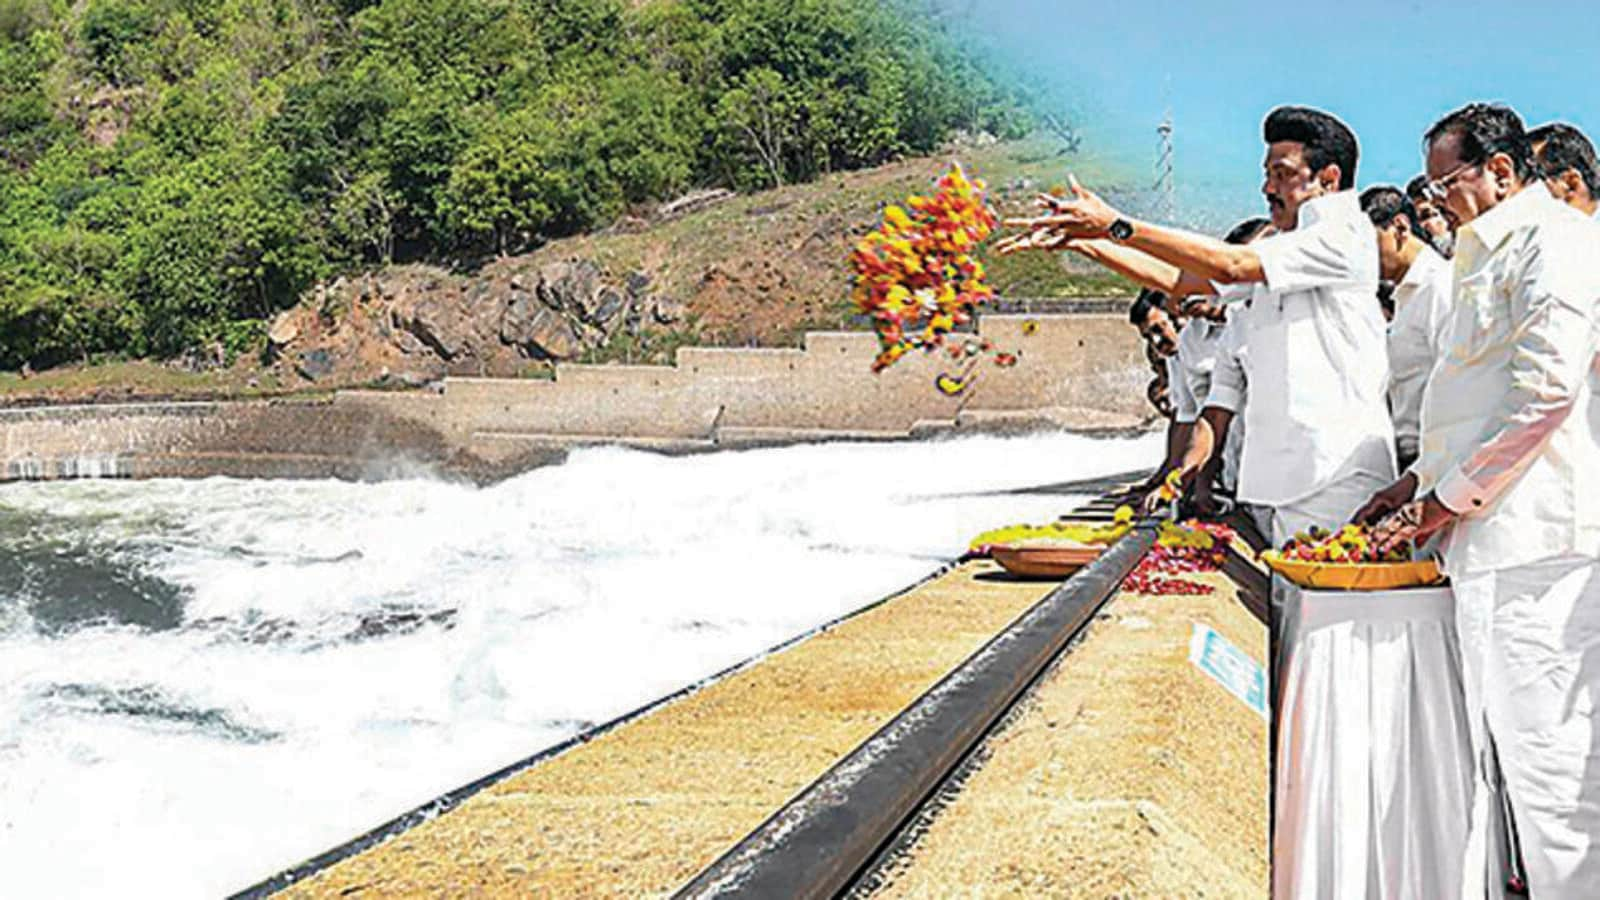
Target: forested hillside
{"type": "Point", "coordinates": [174, 172]}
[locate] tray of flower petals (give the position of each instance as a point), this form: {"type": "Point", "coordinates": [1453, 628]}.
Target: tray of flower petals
{"type": "Point", "coordinates": [1045, 558]}
{"type": "Point", "coordinates": [1055, 550]}
{"type": "Point", "coordinates": [1180, 551]}
{"type": "Point", "coordinates": [1346, 560]}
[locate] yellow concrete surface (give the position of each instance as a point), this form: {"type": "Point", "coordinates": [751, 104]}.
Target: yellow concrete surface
{"type": "Point", "coordinates": [641, 809]}
{"type": "Point", "coordinates": [1127, 772]}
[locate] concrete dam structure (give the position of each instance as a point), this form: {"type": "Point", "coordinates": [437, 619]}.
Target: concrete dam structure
{"type": "Point", "coordinates": [1082, 372]}
{"type": "Point", "coordinates": [1099, 758]}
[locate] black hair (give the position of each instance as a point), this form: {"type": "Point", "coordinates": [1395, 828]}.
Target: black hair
{"type": "Point", "coordinates": [1246, 231]}
{"type": "Point", "coordinates": [1484, 129]}
{"type": "Point", "coordinates": [1327, 140]}
{"type": "Point", "coordinates": [1142, 304]}
{"type": "Point", "coordinates": [1417, 188]}
{"type": "Point", "coordinates": [1385, 201]}
{"type": "Point", "coordinates": [1565, 147]}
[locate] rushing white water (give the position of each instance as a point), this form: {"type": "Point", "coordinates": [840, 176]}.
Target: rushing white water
{"type": "Point", "coordinates": [204, 682]}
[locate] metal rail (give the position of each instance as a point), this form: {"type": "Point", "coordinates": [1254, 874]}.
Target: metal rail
{"type": "Point", "coordinates": [816, 845]}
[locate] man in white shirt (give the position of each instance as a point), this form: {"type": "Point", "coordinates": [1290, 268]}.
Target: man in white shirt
{"type": "Point", "coordinates": [1421, 279]}
{"type": "Point", "coordinates": [1198, 344]}
{"type": "Point", "coordinates": [1320, 436]}
{"type": "Point", "coordinates": [1566, 162]}
{"type": "Point", "coordinates": [1511, 465]}
{"type": "Point", "coordinates": [1212, 450]}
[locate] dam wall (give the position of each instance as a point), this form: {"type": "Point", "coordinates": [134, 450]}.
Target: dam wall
{"type": "Point", "coordinates": [262, 439]}
{"type": "Point", "coordinates": [1085, 372]}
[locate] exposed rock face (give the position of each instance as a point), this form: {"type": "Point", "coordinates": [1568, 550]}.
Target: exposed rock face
{"type": "Point", "coordinates": [284, 330]}
{"type": "Point", "coordinates": [416, 323]}
{"type": "Point", "coordinates": [314, 364]}
{"type": "Point", "coordinates": [539, 331]}
{"type": "Point", "coordinates": [440, 325]}
{"type": "Point", "coordinates": [570, 286]}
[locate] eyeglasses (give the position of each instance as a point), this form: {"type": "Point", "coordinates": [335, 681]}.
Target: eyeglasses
{"type": "Point", "coordinates": [1436, 188]}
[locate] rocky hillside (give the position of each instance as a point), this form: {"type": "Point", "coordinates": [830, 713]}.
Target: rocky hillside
{"type": "Point", "coordinates": [713, 268]}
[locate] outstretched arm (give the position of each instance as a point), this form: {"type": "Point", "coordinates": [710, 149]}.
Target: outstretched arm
{"type": "Point", "coordinates": [1141, 267]}
{"type": "Point", "coordinates": [1086, 216]}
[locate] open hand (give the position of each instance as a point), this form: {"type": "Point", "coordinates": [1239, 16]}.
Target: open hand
{"type": "Point", "coordinates": [1411, 523]}
{"type": "Point", "coordinates": [1152, 502]}
{"type": "Point", "coordinates": [1083, 215]}
{"type": "Point", "coordinates": [1387, 500]}
{"type": "Point", "coordinates": [1040, 239]}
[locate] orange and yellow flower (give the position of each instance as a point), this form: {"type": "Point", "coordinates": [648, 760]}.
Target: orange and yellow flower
{"type": "Point", "coordinates": [915, 274]}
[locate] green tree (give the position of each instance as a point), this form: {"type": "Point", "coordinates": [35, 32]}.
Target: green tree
{"type": "Point", "coordinates": [172, 172]}
{"type": "Point", "coordinates": [758, 117]}
{"type": "Point", "coordinates": [112, 32]}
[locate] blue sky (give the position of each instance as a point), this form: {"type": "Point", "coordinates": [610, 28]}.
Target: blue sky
{"type": "Point", "coordinates": [1388, 69]}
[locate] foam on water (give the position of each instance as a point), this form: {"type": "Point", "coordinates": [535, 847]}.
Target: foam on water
{"type": "Point", "coordinates": [345, 652]}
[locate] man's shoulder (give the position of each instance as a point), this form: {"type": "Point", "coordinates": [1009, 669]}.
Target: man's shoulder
{"type": "Point", "coordinates": [1563, 249]}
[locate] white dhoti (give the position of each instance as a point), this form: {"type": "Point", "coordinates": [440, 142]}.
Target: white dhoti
{"type": "Point", "coordinates": [1374, 768]}
{"type": "Point", "coordinates": [1530, 647]}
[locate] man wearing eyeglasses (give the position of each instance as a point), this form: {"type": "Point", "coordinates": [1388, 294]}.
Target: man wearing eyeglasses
{"type": "Point", "coordinates": [1421, 279]}
{"type": "Point", "coordinates": [1567, 164]}
{"type": "Point", "coordinates": [1510, 465]}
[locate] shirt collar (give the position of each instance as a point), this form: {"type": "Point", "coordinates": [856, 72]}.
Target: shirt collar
{"type": "Point", "coordinates": [1519, 209]}
{"type": "Point", "coordinates": [1338, 204]}
{"type": "Point", "coordinates": [1425, 268]}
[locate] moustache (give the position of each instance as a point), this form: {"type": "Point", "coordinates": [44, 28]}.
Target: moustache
{"type": "Point", "coordinates": [1274, 201]}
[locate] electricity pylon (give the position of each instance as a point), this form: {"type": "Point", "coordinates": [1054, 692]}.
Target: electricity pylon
{"type": "Point", "coordinates": [1165, 188]}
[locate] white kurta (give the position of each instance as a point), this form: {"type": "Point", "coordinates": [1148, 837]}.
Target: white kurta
{"type": "Point", "coordinates": [1309, 343]}
{"type": "Point", "coordinates": [1421, 300]}
{"type": "Point", "coordinates": [1511, 441]}
{"type": "Point", "coordinates": [1314, 357]}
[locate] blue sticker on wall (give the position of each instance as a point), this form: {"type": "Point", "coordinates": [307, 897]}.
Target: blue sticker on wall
{"type": "Point", "coordinates": [1229, 666]}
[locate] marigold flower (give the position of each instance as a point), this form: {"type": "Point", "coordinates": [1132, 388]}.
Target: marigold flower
{"type": "Point", "coordinates": [914, 274]}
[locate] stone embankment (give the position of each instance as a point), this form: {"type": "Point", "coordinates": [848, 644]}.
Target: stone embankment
{"type": "Point", "coordinates": [1083, 372]}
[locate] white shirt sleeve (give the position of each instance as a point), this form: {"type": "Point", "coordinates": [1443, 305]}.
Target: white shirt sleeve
{"type": "Point", "coordinates": [1324, 254]}
{"type": "Point", "coordinates": [1555, 346]}
{"type": "Point", "coordinates": [1228, 294]}
{"type": "Point", "coordinates": [1227, 378]}
{"type": "Point", "coordinates": [1185, 406]}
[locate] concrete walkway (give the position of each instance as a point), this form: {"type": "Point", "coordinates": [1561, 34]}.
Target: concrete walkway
{"type": "Point", "coordinates": [1127, 772]}
{"type": "Point", "coordinates": [640, 810]}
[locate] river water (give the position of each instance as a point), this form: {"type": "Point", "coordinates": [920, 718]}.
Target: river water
{"type": "Point", "coordinates": [203, 682]}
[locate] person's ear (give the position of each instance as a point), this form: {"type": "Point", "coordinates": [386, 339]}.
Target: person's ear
{"type": "Point", "coordinates": [1401, 225]}
{"type": "Point", "coordinates": [1328, 177]}
{"type": "Point", "coordinates": [1503, 172]}
{"type": "Point", "coordinates": [1572, 181]}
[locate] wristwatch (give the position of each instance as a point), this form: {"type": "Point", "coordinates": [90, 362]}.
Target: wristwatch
{"type": "Point", "coordinates": [1120, 230]}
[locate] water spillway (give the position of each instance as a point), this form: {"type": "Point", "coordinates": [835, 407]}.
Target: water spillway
{"type": "Point", "coordinates": [203, 682]}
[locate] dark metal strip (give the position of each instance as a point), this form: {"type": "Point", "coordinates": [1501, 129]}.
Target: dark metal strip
{"type": "Point", "coordinates": [815, 845]}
